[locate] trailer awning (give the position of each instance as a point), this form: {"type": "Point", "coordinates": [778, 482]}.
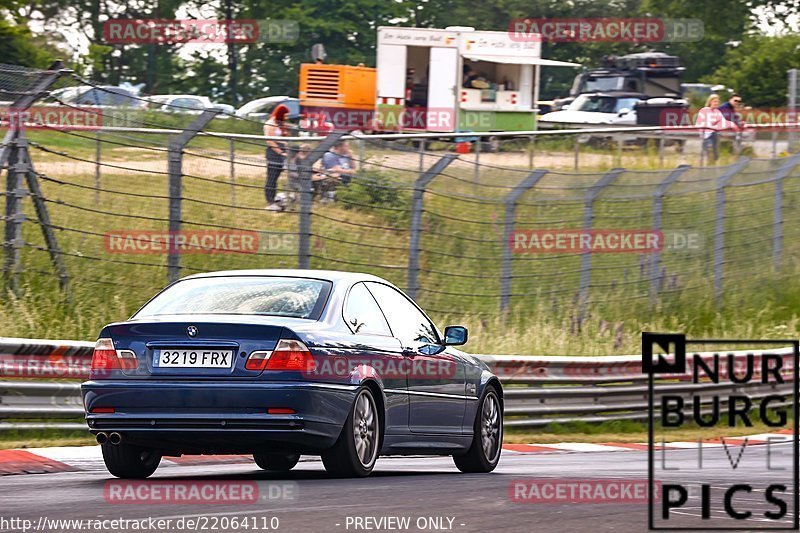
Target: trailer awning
{"type": "Point", "coordinates": [517, 60]}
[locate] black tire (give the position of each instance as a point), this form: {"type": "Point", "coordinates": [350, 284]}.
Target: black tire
{"type": "Point", "coordinates": [130, 462]}
{"type": "Point", "coordinates": [488, 428]}
{"type": "Point", "coordinates": [276, 462]}
{"type": "Point", "coordinates": [356, 450]}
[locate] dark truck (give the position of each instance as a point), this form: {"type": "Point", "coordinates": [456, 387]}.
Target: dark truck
{"type": "Point", "coordinates": [656, 75]}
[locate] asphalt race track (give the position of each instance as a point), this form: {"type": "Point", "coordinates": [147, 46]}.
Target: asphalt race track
{"type": "Point", "coordinates": [429, 492]}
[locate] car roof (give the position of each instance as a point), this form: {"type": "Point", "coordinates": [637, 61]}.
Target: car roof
{"type": "Point", "coordinates": [331, 275]}
{"type": "Point", "coordinates": [616, 94]}
{"type": "Point", "coordinates": [179, 96]}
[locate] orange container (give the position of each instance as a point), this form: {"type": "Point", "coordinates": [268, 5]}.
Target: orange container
{"type": "Point", "coordinates": [338, 86]}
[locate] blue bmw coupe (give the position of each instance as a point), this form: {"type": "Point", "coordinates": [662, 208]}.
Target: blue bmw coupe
{"type": "Point", "coordinates": [279, 363]}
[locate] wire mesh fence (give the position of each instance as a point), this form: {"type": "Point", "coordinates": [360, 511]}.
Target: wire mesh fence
{"type": "Point", "coordinates": [466, 224]}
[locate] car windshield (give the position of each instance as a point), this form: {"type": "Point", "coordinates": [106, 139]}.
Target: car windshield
{"type": "Point", "coordinates": [244, 295]}
{"type": "Point", "coordinates": [605, 83]}
{"type": "Point", "coordinates": [603, 104]}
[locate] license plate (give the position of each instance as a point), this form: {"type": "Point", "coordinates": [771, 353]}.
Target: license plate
{"type": "Point", "coordinates": [194, 358]}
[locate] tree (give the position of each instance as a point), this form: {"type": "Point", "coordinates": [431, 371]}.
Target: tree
{"type": "Point", "coordinates": [17, 46]}
{"type": "Point", "coordinates": [757, 69]}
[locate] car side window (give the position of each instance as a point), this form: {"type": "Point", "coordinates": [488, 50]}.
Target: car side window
{"type": "Point", "coordinates": [408, 323]}
{"type": "Point", "coordinates": [362, 313]}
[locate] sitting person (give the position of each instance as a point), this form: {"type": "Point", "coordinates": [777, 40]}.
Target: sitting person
{"type": "Point", "coordinates": [295, 165]}
{"type": "Point", "coordinates": [339, 160]}
{"type": "Point", "coordinates": [474, 80]}
{"type": "Point", "coordinates": [338, 167]}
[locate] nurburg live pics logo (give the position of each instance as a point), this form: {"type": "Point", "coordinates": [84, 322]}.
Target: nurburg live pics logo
{"type": "Point", "coordinates": [746, 487]}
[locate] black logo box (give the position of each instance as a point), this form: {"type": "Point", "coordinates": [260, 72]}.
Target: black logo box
{"type": "Point", "coordinates": [675, 343]}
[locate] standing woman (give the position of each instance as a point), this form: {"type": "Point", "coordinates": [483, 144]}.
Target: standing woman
{"type": "Point", "coordinates": [711, 121]}
{"type": "Point", "coordinates": [276, 154]}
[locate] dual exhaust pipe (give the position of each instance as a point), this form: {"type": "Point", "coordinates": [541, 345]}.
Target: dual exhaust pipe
{"type": "Point", "coordinates": [111, 438]}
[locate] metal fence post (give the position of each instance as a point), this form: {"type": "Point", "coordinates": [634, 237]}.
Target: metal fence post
{"type": "Point", "coordinates": [14, 218]}
{"type": "Point", "coordinates": [15, 157]}
{"type": "Point", "coordinates": [719, 225]}
{"type": "Point", "coordinates": [702, 152]}
{"type": "Point", "coordinates": [416, 220]}
{"type": "Point", "coordinates": [577, 151]}
{"type": "Point", "coordinates": [774, 143]}
{"type": "Point", "coordinates": [658, 210]}
{"type": "Point", "coordinates": [511, 217]}
{"type": "Point", "coordinates": [793, 94]}
{"type": "Point", "coordinates": [777, 233]}
{"type": "Point", "coordinates": [478, 160]}
{"type": "Point", "coordinates": [531, 150]}
{"type": "Point", "coordinates": [32, 179]}
{"type": "Point", "coordinates": [232, 155]}
{"type": "Point", "coordinates": [588, 221]}
{"type": "Point", "coordinates": [98, 154]}
{"type": "Point", "coordinates": [307, 197]}
{"type": "Point", "coordinates": [175, 170]}
{"type": "Point", "coordinates": [421, 154]}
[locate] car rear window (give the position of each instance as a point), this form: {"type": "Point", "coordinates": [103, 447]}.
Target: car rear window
{"type": "Point", "coordinates": [245, 295]}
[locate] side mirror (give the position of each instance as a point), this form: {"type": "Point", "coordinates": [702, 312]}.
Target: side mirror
{"type": "Point", "coordinates": [624, 111]}
{"type": "Point", "coordinates": [455, 335]}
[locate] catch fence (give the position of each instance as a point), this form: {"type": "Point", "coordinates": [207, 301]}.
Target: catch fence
{"type": "Point", "coordinates": [94, 210]}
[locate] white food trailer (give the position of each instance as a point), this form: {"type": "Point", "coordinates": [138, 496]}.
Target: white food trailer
{"type": "Point", "coordinates": [426, 80]}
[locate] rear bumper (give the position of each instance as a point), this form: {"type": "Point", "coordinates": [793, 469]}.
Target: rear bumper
{"type": "Point", "coordinates": [220, 417]}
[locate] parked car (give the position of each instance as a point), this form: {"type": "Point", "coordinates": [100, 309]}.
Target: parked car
{"type": "Point", "coordinates": [187, 103]}
{"type": "Point", "coordinates": [103, 96]}
{"type": "Point", "coordinates": [261, 108]}
{"type": "Point", "coordinates": [279, 363]}
{"type": "Point", "coordinates": [179, 103]}
{"type": "Point", "coordinates": [226, 110]}
{"type": "Point", "coordinates": [598, 108]}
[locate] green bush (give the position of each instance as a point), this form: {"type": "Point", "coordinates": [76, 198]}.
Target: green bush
{"type": "Point", "coordinates": [377, 194]}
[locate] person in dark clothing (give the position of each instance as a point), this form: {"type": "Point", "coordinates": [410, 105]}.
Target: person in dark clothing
{"type": "Point", "coordinates": [469, 76]}
{"type": "Point", "coordinates": [730, 109]}
{"type": "Point", "coordinates": [276, 154]}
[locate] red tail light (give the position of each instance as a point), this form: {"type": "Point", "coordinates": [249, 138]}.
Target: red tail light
{"type": "Point", "coordinates": [291, 355]}
{"type": "Point", "coordinates": [106, 357]}
{"type": "Point", "coordinates": [287, 355]}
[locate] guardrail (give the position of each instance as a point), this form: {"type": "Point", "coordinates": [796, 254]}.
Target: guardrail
{"type": "Point", "coordinates": [539, 390]}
